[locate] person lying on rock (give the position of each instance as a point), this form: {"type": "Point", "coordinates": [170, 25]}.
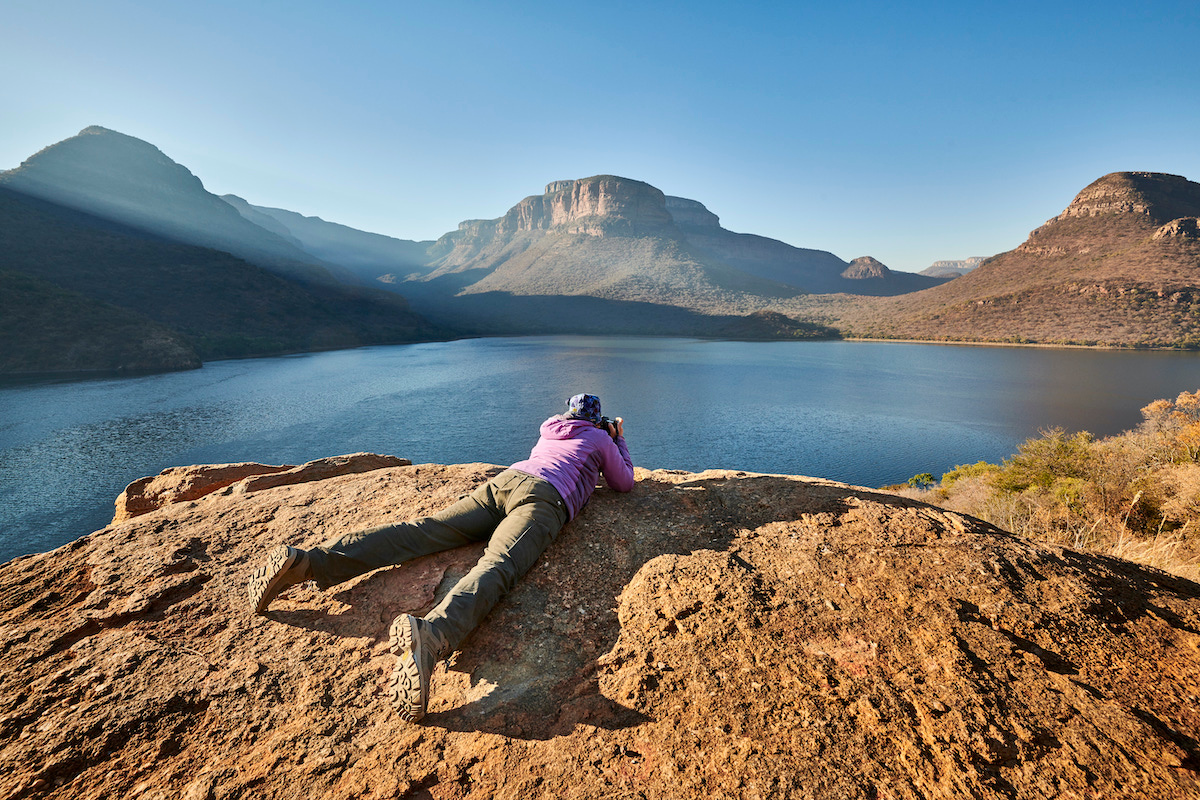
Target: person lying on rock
{"type": "Point", "coordinates": [519, 512]}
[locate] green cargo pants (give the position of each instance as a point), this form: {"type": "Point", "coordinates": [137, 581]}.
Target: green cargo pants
{"type": "Point", "coordinates": [519, 516]}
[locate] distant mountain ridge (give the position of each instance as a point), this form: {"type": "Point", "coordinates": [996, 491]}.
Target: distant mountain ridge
{"type": "Point", "coordinates": [107, 279]}
{"type": "Point", "coordinates": [122, 178]}
{"type": "Point", "coordinates": [952, 269]}
{"type": "Point", "coordinates": [370, 256]}
{"type": "Point", "coordinates": [1120, 265]}
{"type": "Point", "coordinates": [603, 254]}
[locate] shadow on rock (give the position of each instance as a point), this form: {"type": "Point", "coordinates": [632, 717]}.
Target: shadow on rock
{"type": "Point", "coordinates": [530, 670]}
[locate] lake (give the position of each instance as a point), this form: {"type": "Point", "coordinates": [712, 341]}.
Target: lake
{"type": "Point", "coordinates": [867, 413]}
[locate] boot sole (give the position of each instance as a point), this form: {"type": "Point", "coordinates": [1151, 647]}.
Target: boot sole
{"type": "Point", "coordinates": [408, 693]}
{"type": "Point", "coordinates": [269, 579]}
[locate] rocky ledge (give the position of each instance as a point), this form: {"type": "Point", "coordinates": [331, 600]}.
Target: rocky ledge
{"type": "Point", "coordinates": [720, 634]}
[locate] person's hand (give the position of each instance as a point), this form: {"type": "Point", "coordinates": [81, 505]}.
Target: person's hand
{"type": "Point", "coordinates": [619, 428]}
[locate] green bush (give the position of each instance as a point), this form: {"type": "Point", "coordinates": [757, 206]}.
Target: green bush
{"type": "Point", "coordinates": [979, 468]}
{"type": "Point", "coordinates": [1042, 462]}
{"type": "Point", "coordinates": [922, 480]}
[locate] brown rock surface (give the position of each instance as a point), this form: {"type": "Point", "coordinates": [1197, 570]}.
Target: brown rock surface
{"type": "Point", "coordinates": [1184, 227]}
{"type": "Point", "coordinates": [180, 484]}
{"type": "Point", "coordinates": [719, 634]}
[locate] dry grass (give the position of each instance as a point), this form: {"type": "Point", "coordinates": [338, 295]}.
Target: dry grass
{"type": "Point", "coordinates": [1134, 496]}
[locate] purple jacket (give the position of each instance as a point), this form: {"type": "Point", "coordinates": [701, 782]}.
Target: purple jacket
{"type": "Point", "coordinates": [571, 454]}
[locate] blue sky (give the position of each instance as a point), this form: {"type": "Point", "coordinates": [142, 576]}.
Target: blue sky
{"type": "Point", "coordinates": [907, 131]}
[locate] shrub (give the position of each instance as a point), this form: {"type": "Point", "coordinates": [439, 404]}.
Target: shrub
{"type": "Point", "coordinates": [922, 481]}
{"type": "Point", "coordinates": [978, 469]}
{"type": "Point", "coordinates": [1135, 495]}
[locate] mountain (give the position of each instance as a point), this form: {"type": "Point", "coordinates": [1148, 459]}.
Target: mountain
{"type": "Point", "coordinates": [612, 236]}
{"type": "Point", "coordinates": [369, 256]}
{"type": "Point", "coordinates": [84, 294]}
{"type": "Point", "coordinates": [117, 177]}
{"type": "Point", "coordinates": [1119, 266]}
{"type": "Point", "coordinates": [813, 271]}
{"type": "Point", "coordinates": [629, 248]}
{"type": "Point", "coordinates": [47, 330]}
{"type": "Point", "coordinates": [952, 269]}
{"type": "Point", "coordinates": [716, 634]}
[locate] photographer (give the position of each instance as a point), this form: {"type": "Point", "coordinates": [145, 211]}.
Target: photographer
{"type": "Point", "coordinates": [518, 512]}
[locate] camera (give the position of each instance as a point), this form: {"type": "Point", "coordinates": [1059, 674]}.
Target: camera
{"type": "Point", "coordinates": [605, 423]}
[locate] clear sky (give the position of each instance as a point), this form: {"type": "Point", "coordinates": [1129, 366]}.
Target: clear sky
{"type": "Point", "coordinates": [911, 132]}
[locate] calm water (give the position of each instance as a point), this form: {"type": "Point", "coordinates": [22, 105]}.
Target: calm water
{"type": "Point", "coordinates": [865, 413]}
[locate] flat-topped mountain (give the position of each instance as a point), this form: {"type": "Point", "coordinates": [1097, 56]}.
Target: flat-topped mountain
{"type": "Point", "coordinates": [605, 237]}
{"type": "Point", "coordinates": [713, 634]}
{"type": "Point", "coordinates": [654, 242]}
{"type": "Point", "coordinates": [121, 178]}
{"type": "Point", "coordinates": [1120, 265]}
{"type": "Point", "coordinates": [952, 268]}
{"type": "Point", "coordinates": [633, 257]}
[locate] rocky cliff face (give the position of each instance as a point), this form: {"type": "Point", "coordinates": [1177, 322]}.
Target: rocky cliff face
{"type": "Point", "coordinates": [1153, 194]}
{"type": "Point", "coordinates": [593, 206]}
{"type": "Point", "coordinates": [711, 634]}
{"type": "Point", "coordinates": [691, 213]}
{"type": "Point", "coordinates": [1182, 228]}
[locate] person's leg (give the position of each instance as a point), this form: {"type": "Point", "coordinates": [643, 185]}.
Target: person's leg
{"type": "Point", "coordinates": [535, 513]}
{"type": "Point", "coordinates": [469, 520]}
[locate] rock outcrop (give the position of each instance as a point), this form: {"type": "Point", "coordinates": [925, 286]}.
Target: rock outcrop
{"type": "Point", "coordinates": [717, 634]}
{"type": "Point", "coordinates": [180, 484]}
{"type": "Point", "coordinates": [595, 206]}
{"type": "Point", "coordinates": [1154, 194]}
{"type": "Point", "coordinates": [865, 268]}
{"type": "Point", "coordinates": [691, 213]}
{"type": "Point", "coordinates": [1183, 228]}
{"type": "Point", "coordinates": [1111, 269]}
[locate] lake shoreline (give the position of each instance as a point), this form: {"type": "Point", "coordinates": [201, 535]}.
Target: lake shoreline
{"type": "Point", "coordinates": [1036, 345]}
{"type": "Point", "coordinates": [18, 379]}
{"type": "Point", "coordinates": [848, 411]}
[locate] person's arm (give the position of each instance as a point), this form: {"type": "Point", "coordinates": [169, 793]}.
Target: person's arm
{"type": "Point", "coordinates": [615, 463]}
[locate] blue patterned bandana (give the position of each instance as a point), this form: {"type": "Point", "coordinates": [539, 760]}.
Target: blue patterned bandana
{"type": "Point", "coordinates": [584, 406]}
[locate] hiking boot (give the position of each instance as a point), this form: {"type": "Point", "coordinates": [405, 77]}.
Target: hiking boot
{"type": "Point", "coordinates": [286, 566]}
{"type": "Point", "coordinates": [417, 647]}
